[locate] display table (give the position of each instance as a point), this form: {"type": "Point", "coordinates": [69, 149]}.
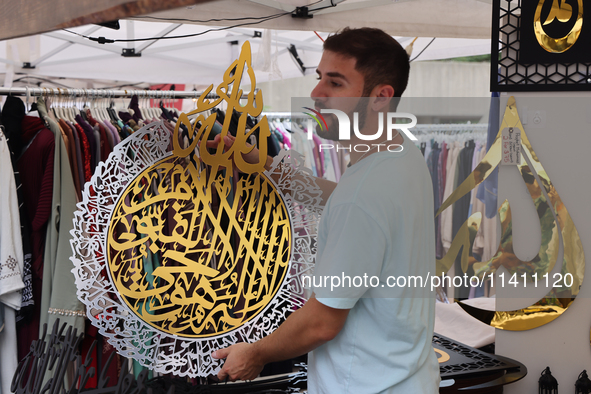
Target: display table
{"type": "Point", "coordinates": [465, 369]}
{"type": "Point", "coordinates": [462, 369]}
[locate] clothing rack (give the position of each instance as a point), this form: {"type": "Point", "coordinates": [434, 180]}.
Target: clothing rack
{"type": "Point", "coordinates": [285, 114]}
{"type": "Point", "coordinates": [450, 127]}
{"type": "Point", "coordinates": [421, 128]}
{"type": "Point", "coordinates": [446, 132]}
{"type": "Point", "coordinates": [104, 93]}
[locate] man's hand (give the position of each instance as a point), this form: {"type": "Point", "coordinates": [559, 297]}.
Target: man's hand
{"type": "Point", "coordinates": [251, 157]}
{"type": "Point", "coordinates": [303, 331]}
{"type": "Point", "coordinates": [241, 362]}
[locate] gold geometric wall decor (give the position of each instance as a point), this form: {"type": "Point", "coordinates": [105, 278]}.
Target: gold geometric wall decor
{"type": "Point", "coordinates": [543, 45]}
{"type": "Point", "coordinates": [179, 250]}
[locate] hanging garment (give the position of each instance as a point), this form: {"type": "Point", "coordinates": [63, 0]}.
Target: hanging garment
{"type": "Point", "coordinates": [89, 133]}
{"type": "Point", "coordinates": [336, 164]}
{"type": "Point", "coordinates": [427, 151]}
{"type": "Point", "coordinates": [59, 298]}
{"type": "Point", "coordinates": [11, 267]}
{"type": "Point", "coordinates": [478, 206]}
{"type": "Point", "coordinates": [300, 144]}
{"type": "Point", "coordinates": [475, 161]}
{"type": "Point", "coordinates": [329, 167]}
{"type": "Point", "coordinates": [109, 129]}
{"type": "Point", "coordinates": [440, 189]}
{"type": "Point", "coordinates": [442, 170]}
{"type": "Point", "coordinates": [286, 140]}
{"type": "Point", "coordinates": [104, 143]}
{"type": "Point", "coordinates": [433, 166]}
{"type": "Point", "coordinates": [134, 105]}
{"type": "Point", "coordinates": [319, 157]}
{"type": "Point", "coordinates": [35, 166]}
{"type": "Point", "coordinates": [460, 211]}
{"type": "Point", "coordinates": [487, 191]}
{"type": "Point", "coordinates": [8, 349]}
{"type": "Point", "coordinates": [73, 154]}
{"type": "Point", "coordinates": [12, 116]}
{"type": "Point", "coordinates": [98, 147]}
{"type": "Point", "coordinates": [447, 215]}
{"type": "Point", "coordinates": [86, 167]}
{"type": "Point", "coordinates": [11, 248]}
{"type": "Point", "coordinates": [272, 145]}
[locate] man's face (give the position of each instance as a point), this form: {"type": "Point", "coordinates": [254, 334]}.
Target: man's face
{"type": "Point", "coordinates": [338, 82]}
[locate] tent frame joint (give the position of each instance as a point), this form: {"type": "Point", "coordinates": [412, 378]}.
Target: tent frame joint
{"type": "Point", "coordinates": [302, 13]}
{"type": "Point", "coordinates": [130, 52]}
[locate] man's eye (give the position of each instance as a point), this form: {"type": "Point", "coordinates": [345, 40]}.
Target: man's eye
{"type": "Point", "coordinates": [335, 84]}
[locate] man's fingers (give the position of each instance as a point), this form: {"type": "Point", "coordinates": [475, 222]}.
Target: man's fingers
{"type": "Point", "coordinates": [218, 354]}
{"type": "Point", "coordinates": [213, 143]}
{"type": "Point", "coordinates": [229, 140]}
{"type": "Point", "coordinates": [221, 353]}
{"type": "Point", "coordinates": [222, 375]}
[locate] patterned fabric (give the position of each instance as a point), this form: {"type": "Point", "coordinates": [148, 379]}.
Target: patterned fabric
{"type": "Point", "coordinates": [11, 249]}
{"type": "Point", "coordinates": [85, 153]}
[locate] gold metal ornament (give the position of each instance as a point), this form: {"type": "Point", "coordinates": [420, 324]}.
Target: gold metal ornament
{"type": "Point", "coordinates": [210, 277]}
{"type": "Point", "coordinates": [442, 356]}
{"type": "Point", "coordinates": [179, 251]}
{"type": "Point", "coordinates": [562, 12]}
{"type": "Point", "coordinates": [554, 219]}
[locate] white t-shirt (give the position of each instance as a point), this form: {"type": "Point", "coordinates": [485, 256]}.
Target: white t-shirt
{"type": "Point", "coordinates": [378, 222]}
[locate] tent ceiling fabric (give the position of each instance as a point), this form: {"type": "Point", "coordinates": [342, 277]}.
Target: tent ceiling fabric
{"type": "Point", "coordinates": [423, 18]}
{"type": "Point", "coordinates": [198, 60]}
{"type": "Point", "coordinates": [201, 60]}
{"type": "Point", "coordinates": [24, 18]}
{"type": "Point", "coordinates": [410, 18]}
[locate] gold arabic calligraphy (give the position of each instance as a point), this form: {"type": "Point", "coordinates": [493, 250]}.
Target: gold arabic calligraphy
{"type": "Point", "coordinates": [196, 249]}
{"type": "Point", "coordinates": [562, 12]}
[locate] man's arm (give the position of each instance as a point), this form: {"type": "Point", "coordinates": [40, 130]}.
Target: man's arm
{"type": "Point", "coordinates": [304, 330]}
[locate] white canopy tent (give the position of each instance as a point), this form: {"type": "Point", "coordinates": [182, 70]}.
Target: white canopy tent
{"type": "Point", "coordinates": [198, 60]}
{"type": "Point", "coordinates": [462, 28]}
{"type": "Point", "coordinates": [423, 18]}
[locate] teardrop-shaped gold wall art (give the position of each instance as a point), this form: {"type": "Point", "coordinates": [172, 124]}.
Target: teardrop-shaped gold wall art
{"type": "Point", "coordinates": [555, 213]}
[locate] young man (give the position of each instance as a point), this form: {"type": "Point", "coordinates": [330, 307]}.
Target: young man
{"type": "Point", "coordinates": [378, 222]}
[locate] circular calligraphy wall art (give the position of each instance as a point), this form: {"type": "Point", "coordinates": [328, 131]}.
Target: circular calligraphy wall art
{"type": "Point", "coordinates": [179, 250]}
{"type": "Point", "coordinates": [169, 274]}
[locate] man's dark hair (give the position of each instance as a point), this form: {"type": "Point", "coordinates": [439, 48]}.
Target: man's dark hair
{"type": "Point", "coordinates": [380, 58]}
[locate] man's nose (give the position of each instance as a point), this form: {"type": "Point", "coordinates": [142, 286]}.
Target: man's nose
{"type": "Point", "coordinates": [318, 92]}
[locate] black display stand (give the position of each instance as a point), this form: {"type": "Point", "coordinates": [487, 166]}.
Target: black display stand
{"type": "Point", "coordinates": [44, 371]}
{"type": "Point", "coordinates": [471, 370]}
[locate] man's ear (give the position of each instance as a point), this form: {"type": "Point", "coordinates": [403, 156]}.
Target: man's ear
{"type": "Point", "coordinates": [383, 94]}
